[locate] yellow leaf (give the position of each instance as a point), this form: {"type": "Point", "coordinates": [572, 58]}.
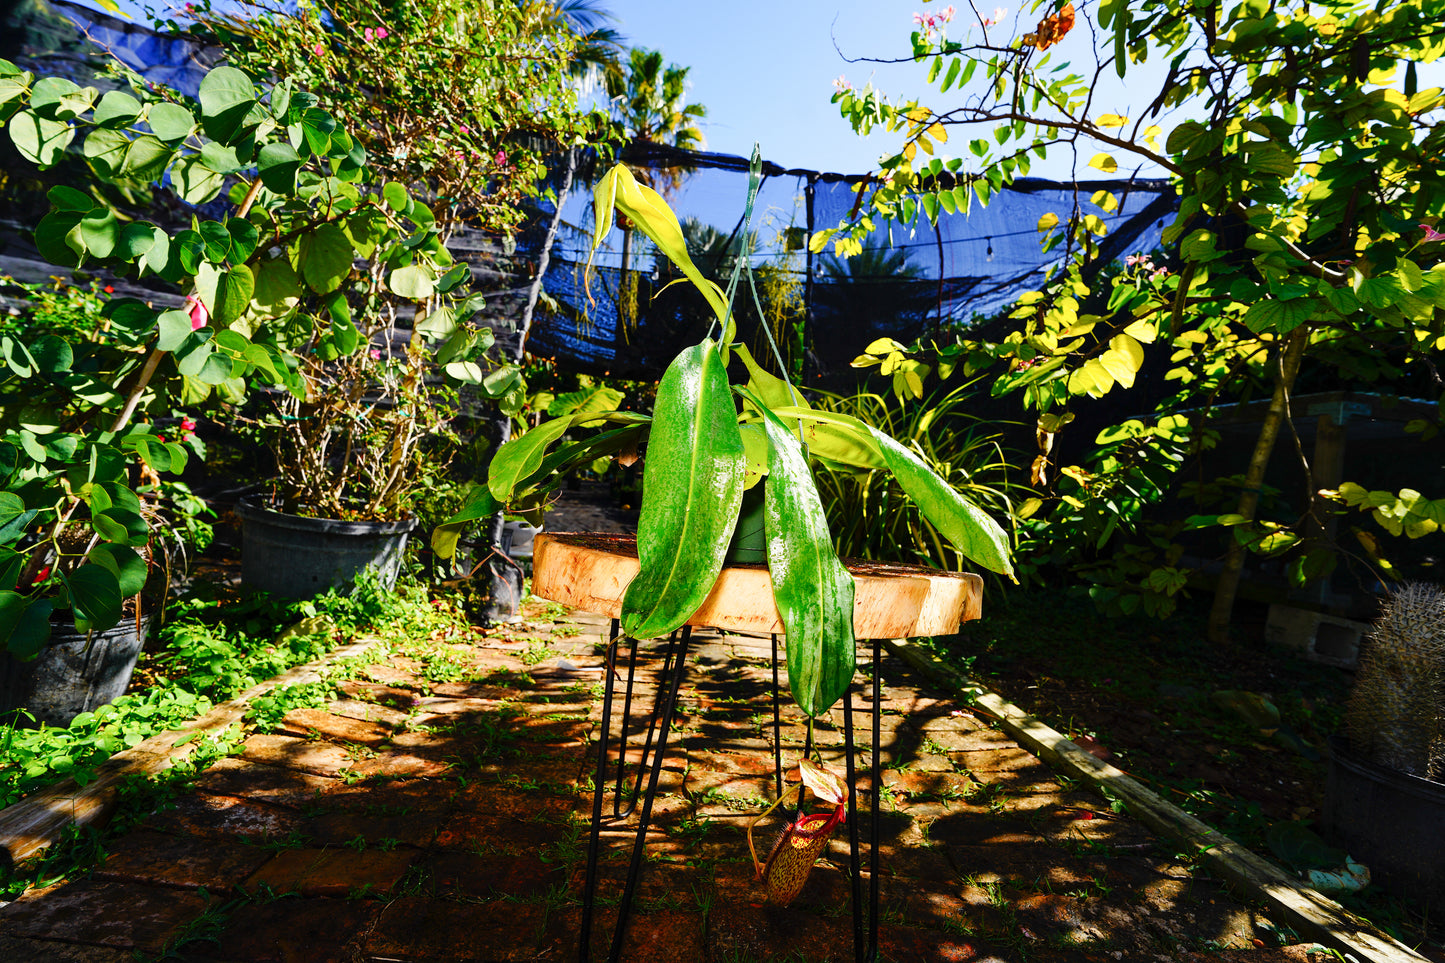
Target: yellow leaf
{"type": "Point", "coordinates": [1118, 366]}
{"type": "Point", "coordinates": [1111, 120]}
{"type": "Point", "coordinates": [1127, 346]}
{"type": "Point", "coordinates": [863, 361]}
{"type": "Point", "coordinates": [918, 114]}
{"type": "Point", "coordinates": [1141, 331]}
{"type": "Point", "coordinates": [1048, 222]}
{"type": "Point", "coordinates": [1150, 133]}
{"type": "Point", "coordinates": [926, 144]}
{"type": "Point", "coordinates": [1104, 163]}
{"type": "Point", "coordinates": [938, 132]}
{"type": "Point", "coordinates": [1106, 201]}
{"type": "Point", "coordinates": [884, 346]}
{"type": "Point", "coordinates": [910, 150]}
{"type": "Point", "coordinates": [892, 363]}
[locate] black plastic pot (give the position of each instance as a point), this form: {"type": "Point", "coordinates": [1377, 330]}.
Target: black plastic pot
{"type": "Point", "coordinates": [1392, 822]}
{"type": "Point", "coordinates": [296, 557]}
{"type": "Point", "coordinates": [72, 675]}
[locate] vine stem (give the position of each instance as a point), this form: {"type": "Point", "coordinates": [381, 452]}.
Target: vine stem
{"type": "Point", "coordinates": [153, 362]}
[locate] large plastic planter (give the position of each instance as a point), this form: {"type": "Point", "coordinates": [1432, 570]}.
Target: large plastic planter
{"type": "Point", "coordinates": [1392, 822]}
{"type": "Point", "coordinates": [72, 675]}
{"type": "Point", "coordinates": [300, 558]}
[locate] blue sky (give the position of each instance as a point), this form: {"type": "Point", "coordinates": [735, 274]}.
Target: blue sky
{"type": "Point", "coordinates": [768, 77]}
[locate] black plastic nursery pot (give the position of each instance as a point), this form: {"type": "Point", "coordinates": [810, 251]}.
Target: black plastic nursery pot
{"type": "Point", "coordinates": [1391, 821]}
{"type": "Point", "coordinates": [73, 674]}
{"type": "Point", "coordinates": [292, 556]}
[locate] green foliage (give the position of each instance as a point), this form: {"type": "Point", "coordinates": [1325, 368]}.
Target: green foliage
{"type": "Point", "coordinates": [1305, 248]}
{"type": "Point", "coordinates": [703, 453]}
{"type": "Point", "coordinates": [870, 514]}
{"type": "Point", "coordinates": [458, 100]}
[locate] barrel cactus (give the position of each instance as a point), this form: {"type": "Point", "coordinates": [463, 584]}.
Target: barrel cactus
{"type": "Point", "coordinates": [1396, 712]}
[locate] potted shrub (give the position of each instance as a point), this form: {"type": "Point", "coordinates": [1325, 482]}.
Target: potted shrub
{"type": "Point", "coordinates": [80, 450]}
{"type": "Point", "coordinates": [1385, 800]}
{"type": "Point", "coordinates": [727, 477]}
{"type": "Point", "coordinates": [365, 411]}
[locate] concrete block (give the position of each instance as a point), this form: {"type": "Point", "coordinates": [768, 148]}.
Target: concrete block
{"type": "Point", "coordinates": [1324, 638]}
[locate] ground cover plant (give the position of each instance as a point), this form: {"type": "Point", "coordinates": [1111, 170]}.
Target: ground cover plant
{"type": "Point", "coordinates": [1306, 254]}
{"type": "Point", "coordinates": [215, 645]}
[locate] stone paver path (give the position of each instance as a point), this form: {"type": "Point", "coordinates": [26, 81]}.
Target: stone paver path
{"type": "Point", "coordinates": [423, 820]}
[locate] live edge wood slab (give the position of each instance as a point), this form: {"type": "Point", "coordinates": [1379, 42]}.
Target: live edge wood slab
{"type": "Point", "coordinates": [591, 571]}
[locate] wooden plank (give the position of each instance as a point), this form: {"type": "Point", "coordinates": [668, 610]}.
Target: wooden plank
{"type": "Point", "coordinates": [591, 572]}
{"type": "Point", "coordinates": [1305, 910]}
{"type": "Point", "coordinates": [33, 823]}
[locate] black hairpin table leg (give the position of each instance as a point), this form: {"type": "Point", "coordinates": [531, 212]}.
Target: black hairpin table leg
{"type": "Point", "coordinates": [649, 766]}
{"type": "Point", "coordinates": [864, 952]}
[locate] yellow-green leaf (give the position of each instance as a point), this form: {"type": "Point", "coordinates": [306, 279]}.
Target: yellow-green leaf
{"type": "Point", "coordinates": [1104, 163]}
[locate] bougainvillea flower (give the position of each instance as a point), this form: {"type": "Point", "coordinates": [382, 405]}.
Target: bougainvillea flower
{"type": "Point", "coordinates": [801, 842]}
{"type": "Point", "coordinates": [199, 314]}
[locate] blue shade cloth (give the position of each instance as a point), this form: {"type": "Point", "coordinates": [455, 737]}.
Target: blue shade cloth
{"type": "Point", "coordinates": [174, 62]}
{"type": "Point", "coordinates": [930, 281]}
{"type": "Point", "coordinates": [969, 268]}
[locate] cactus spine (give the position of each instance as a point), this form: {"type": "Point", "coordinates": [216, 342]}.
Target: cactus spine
{"type": "Point", "coordinates": [1396, 713]}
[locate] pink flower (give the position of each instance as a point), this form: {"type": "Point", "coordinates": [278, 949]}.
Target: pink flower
{"type": "Point", "coordinates": [501, 158]}
{"type": "Point", "coordinates": [187, 424]}
{"type": "Point", "coordinates": [1162, 272]}
{"type": "Point", "coordinates": [841, 84]}
{"type": "Point", "coordinates": [465, 129]}
{"type": "Point", "coordinates": [998, 14]}
{"type": "Point", "coordinates": [382, 33]}
{"type": "Point", "coordinates": [318, 50]}
{"type": "Point", "coordinates": [199, 314]}
{"type": "Point", "coordinates": [1137, 260]}
{"type": "Point", "coordinates": [368, 33]}
{"type": "Point", "coordinates": [946, 14]}
{"type": "Point", "coordinates": [1431, 234]}
{"type": "Point", "coordinates": [375, 354]}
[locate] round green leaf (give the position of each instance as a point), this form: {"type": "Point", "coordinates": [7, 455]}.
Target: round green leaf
{"type": "Point", "coordinates": [116, 109]}
{"type": "Point", "coordinates": [395, 196]}
{"type": "Point", "coordinates": [134, 241]}
{"type": "Point", "coordinates": [415, 282]}
{"type": "Point", "coordinates": [244, 238]}
{"type": "Point", "coordinates": [69, 199]}
{"type": "Point", "coordinates": [146, 158]}
{"type": "Point", "coordinates": [95, 594]}
{"type": "Point", "coordinates": [227, 96]}
{"type": "Point", "coordinates": [125, 563]}
{"type": "Point", "coordinates": [106, 150]}
{"type": "Point", "coordinates": [278, 164]}
{"type": "Point", "coordinates": [218, 241]}
{"type": "Point", "coordinates": [24, 625]}
{"type": "Point", "coordinates": [195, 181]}
{"type": "Point", "coordinates": [40, 140]}
{"type": "Point", "coordinates": [52, 354]}
{"type": "Point", "coordinates": [171, 122]}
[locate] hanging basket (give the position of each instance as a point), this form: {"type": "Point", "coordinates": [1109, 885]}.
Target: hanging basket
{"type": "Point", "coordinates": [891, 601]}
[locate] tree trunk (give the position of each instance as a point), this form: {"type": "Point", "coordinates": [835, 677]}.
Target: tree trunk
{"type": "Point", "coordinates": [1228, 587]}
{"type": "Point", "coordinates": [545, 257]}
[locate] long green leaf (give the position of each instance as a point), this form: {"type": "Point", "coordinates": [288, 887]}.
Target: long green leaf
{"type": "Point", "coordinates": [654, 218]}
{"type": "Point", "coordinates": [522, 456]}
{"type": "Point", "coordinates": [692, 488]}
{"type": "Point", "coordinates": [963, 523]}
{"type": "Point", "coordinates": [812, 589]}
{"type": "Point", "coordinates": [479, 504]}
{"type": "Point", "coordinates": [836, 437]}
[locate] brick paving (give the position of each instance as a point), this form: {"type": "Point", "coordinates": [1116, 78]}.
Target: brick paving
{"type": "Point", "coordinates": [427, 821]}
